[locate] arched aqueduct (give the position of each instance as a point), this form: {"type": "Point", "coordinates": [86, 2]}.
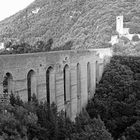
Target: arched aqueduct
{"type": "Point", "coordinates": [67, 78]}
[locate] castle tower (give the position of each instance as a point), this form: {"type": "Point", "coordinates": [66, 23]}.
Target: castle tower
{"type": "Point", "coordinates": [119, 24]}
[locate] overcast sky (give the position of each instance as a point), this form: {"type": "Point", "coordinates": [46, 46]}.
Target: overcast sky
{"type": "Point", "coordinates": [10, 7]}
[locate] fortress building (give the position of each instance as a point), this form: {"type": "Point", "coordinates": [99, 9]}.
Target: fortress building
{"type": "Point", "coordinates": [2, 46]}
{"type": "Point", "coordinates": [122, 32]}
{"type": "Point", "coordinates": [119, 25]}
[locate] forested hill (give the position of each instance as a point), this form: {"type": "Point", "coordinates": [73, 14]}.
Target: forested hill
{"type": "Point", "coordinates": [87, 23]}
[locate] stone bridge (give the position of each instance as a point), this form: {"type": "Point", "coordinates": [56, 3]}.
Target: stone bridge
{"type": "Point", "coordinates": [67, 78]}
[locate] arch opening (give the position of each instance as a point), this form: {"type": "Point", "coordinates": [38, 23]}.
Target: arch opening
{"type": "Point", "coordinates": [88, 80]}
{"type": "Point", "coordinates": [78, 88]}
{"type": "Point", "coordinates": [67, 96]}
{"type": "Point", "coordinates": [31, 84]}
{"type": "Point", "coordinates": [97, 72]}
{"type": "Point", "coordinates": [8, 83]}
{"type": "Point", "coordinates": [50, 85]}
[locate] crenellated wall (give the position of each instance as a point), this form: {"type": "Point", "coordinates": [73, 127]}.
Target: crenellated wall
{"type": "Point", "coordinates": [62, 77]}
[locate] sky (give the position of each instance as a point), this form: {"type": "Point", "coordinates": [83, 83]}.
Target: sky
{"type": "Point", "coordinates": [10, 7]}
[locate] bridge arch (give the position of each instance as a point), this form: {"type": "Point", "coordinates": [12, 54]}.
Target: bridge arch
{"type": "Point", "coordinates": [67, 94]}
{"type": "Point", "coordinates": [50, 85]}
{"type": "Point", "coordinates": [31, 84]}
{"type": "Point", "coordinates": [78, 88]}
{"type": "Point", "coordinates": [97, 72]}
{"type": "Point", "coordinates": [8, 83]}
{"type": "Point", "coordinates": [89, 79]}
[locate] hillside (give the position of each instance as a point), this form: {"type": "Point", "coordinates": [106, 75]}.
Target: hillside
{"type": "Point", "coordinates": [88, 23]}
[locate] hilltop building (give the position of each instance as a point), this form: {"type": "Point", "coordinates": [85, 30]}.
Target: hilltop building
{"type": "Point", "coordinates": [1, 45]}
{"type": "Point", "coordinates": [122, 32]}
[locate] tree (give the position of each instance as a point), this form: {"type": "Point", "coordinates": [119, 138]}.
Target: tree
{"type": "Point", "coordinates": [135, 38]}
{"type": "Point", "coordinates": [87, 128]}
{"type": "Point", "coordinates": [117, 97]}
{"type": "Point", "coordinates": [49, 45]}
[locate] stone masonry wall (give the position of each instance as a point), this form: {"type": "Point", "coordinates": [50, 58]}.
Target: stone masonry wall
{"type": "Point", "coordinates": [20, 65]}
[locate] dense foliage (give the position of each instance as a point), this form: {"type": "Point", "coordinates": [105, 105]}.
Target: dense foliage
{"type": "Point", "coordinates": [88, 23]}
{"type": "Point", "coordinates": [39, 46]}
{"type": "Point", "coordinates": [117, 98]}
{"type": "Point", "coordinates": [126, 47]}
{"type": "Point", "coordinates": [40, 121]}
